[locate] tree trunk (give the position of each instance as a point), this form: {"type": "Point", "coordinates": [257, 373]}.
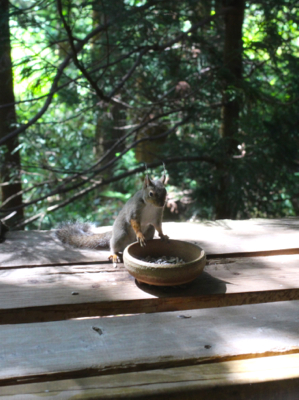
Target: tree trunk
{"type": "Point", "coordinates": [232, 58]}
{"type": "Point", "coordinates": [111, 116]}
{"type": "Point", "coordinates": [10, 162]}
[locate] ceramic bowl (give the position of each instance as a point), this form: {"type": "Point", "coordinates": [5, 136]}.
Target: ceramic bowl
{"type": "Point", "coordinates": [164, 274]}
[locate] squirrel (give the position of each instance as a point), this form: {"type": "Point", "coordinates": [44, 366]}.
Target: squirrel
{"type": "Point", "coordinates": [138, 220]}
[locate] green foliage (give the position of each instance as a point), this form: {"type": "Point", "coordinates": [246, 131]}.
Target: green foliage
{"type": "Point", "coordinates": [82, 139]}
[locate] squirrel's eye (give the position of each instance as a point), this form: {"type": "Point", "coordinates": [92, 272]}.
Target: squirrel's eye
{"type": "Point", "coordinates": [151, 194]}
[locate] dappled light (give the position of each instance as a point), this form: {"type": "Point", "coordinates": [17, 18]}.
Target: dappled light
{"type": "Point", "coordinates": [198, 337]}
{"type": "Point", "coordinates": [171, 127]}
{"type": "Point", "coordinates": [92, 92]}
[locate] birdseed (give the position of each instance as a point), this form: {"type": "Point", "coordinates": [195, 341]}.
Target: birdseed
{"type": "Point", "coordinates": [163, 260]}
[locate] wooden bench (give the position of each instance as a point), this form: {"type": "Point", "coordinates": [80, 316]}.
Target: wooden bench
{"type": "Point", "coordinates": [74, 327]}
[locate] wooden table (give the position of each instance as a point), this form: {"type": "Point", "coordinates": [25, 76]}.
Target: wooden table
{"type": "Point", "coordinates": [74, 327]}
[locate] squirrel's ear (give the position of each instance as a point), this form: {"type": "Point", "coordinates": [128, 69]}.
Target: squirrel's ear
{"type": "Point", "coordinates": [163, 179]}
{"type": "Point", "coordinates": [147, 182]}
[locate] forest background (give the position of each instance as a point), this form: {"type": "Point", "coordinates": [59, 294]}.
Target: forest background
{"type": "Point", "coordinates": [92, 91]}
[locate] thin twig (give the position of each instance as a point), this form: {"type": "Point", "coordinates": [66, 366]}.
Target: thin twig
{"type": "Point", "coordinates": [96, 185]}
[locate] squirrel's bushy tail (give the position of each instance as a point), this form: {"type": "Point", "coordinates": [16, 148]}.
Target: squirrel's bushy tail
{"type": "Point", "coordinates": [79, 234]}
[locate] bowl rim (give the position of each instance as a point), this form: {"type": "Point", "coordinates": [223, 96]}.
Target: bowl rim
{"type": "Point", "coordinates": [148, 265]}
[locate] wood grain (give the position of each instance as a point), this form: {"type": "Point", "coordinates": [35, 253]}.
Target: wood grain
{"type": "Point", "coordinates": [230, 334]}
{"type": "Point", "coordinates": [78, 348]}
{"type": "Point", "coordinates": [61, 292]}
{"type": "Point", "coordinates": [35, 248]}
{"type": "Point", "coordinates": [259, 378]}
{"type": "Point", "coordinates": [224, 237]}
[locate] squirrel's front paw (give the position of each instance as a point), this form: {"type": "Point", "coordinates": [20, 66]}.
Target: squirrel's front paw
{"type": "Point", "coordinates": [141, 239]}
{"type": "Point", "coordinates": [164, 237]}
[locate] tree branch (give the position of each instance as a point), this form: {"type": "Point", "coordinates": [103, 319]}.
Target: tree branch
{"type": "Point", "coordinates": [62, 187]}
{"type": "Point", "coordinates": [77, 48]}
{"type": "Point", "coordinates": [62, 66]}
{"type": "Point", "coordinates": [96, 185]}
{"type": "Point", "coordinates": [80, 66]}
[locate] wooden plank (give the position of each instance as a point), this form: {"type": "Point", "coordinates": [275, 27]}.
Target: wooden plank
{"type": "Point", "coordinates": [225, 237]}
{"type": "Point", "coordinates": [81, 348]}
{"type": "Point", "coordinates": [61, 292]}
{"type": "Point", "coordinates": [260, 378]}
{"type": "Point", "coordinates": [232, 238]}
{"type": "Point", "coordinates": [35, 248]}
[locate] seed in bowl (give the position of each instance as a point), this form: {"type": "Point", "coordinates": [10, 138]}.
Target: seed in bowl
{"type": "Point", "coordinates": [163, 260]}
